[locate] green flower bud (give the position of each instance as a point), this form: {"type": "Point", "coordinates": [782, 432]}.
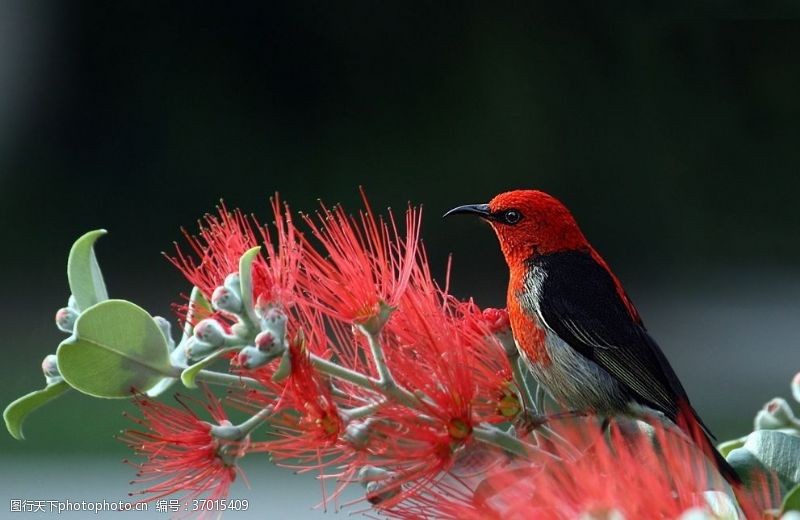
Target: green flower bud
{"type": "Point", "coordinates": [273, 319]}
{"type": "Point", "coordinates": [211, 332]}
{"type": "Point", "coordinates": [50, 369]}
{"type": "Point", "coordinates": [66, 318]}
{"type": "Point", "coordinates": [251, 357]}
{"type": "Point", "coordinates": [224, 299]}
{"type": "Point", "coordinates": [234, 284]}
{"type": "Point", "coordinates": [166, 330]}
{"type": "Point", "coordinates": [776, 414]}
{"type": "Point", "coordinates": [196, 349]}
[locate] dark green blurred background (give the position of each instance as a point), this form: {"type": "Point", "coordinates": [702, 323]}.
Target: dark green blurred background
{"type": "Point", "coordinates": [675, 139]}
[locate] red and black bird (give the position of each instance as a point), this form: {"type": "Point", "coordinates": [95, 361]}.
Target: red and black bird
{"type": "Point", "coordinates": [574, 324]}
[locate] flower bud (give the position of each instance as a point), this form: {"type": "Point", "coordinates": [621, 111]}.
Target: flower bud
{"type": "Point", "coordinates": [66, 318]}
{"type": "Point", "coordinates": [774, 415]}
{"type": "Point", "coordinates": [265, 341]}
{"type": "Point", "coordinates": [224, 299]}
{"type": "Point", "coordinates": [357, 433]}
{"type": "Point", "coordinates": [166, 330]}
{"type": "Point", "coordinates": [50, 369]}
{"type": "Point", "coordinates": [233, 283]}
{"type": "Point", "coordinates": [251, 357]}
{"type": "Point", "coordinates": [369, 473]}
{"type": "Point", "coordinates": [196, 349]}
{"type": "Point", "coordinates": [211, 332]}
{"type": "Point", "coordinates": [379, 483]}
{"type": "Point", "coordinates": [378, 492]}
{"type": "Point", "coordinates": [796, 387]}
{"type": "Point", "coordinates": [273, 319]}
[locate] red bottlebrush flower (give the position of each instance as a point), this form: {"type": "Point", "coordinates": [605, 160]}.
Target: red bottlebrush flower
{"type": "Point", "coordinates": [460, 373]}
{"type": "Point", "coordinates": [308, 425]}
{"type": "Point", "coordinates": [221, 241]}
{"type": "Point", "coordinates": [224, 238]}
{"type": "Point", "coordinates": [182, 456]}
{"type": "Point", "coordinates": [630, 475]}
{"type": "Point", "coordinates": [366, 262]}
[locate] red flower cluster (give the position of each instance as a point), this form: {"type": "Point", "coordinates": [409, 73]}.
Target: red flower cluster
{"type": "Point", "coordinates": [223, 239]}
{"type": "Point", "coordinates": [635, 474]}
{"type": "Point", "coordinates": [181, 453]}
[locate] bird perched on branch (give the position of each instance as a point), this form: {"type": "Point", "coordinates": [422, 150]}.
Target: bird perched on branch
{"type": "Point", "coordinates": [574, 324]}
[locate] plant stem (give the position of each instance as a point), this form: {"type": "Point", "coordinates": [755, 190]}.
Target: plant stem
{"type": "Point", "coordinates": [384, 375]}
{"type": "Point", "coordinates": [522, 383]}
{"type": "Point", "coordinates": [222, 378]}
{"type": "Point", "coordinates": [338, 371]}
{"type": "Point", "coordinates": [496, 437]}
{"type": "Point", "coordinates": [362, 411]}
{"type": "Point", "coordinates": [240, 431]}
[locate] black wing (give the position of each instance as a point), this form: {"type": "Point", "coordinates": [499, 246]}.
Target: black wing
{"type": "Point", "coordinates": [580, 302]}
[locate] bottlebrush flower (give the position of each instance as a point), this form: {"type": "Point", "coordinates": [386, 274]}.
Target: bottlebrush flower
{"type": "Point", "coordinates": [366, 263]}
{"type": "Point", "coordinates": [629, 475]}
{"type": "Point", "coordinates": [460, 374]}
{"type": "Point", "coordinates": [307, 424]}
{"type": "Point", "coordinates": [222, 240]}
{"type": "Point", "coordinates": [182, 455]}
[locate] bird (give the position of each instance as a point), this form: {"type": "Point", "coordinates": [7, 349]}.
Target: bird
{"type": "Point", "coordinates": [574, 324]}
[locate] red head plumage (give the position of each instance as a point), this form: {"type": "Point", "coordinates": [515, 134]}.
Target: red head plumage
{"type": "Point", "coordinates": [531, 222]}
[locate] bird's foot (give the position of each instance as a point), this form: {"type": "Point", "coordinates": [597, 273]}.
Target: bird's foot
{"type": "Point", "coordinates": [528, 421]}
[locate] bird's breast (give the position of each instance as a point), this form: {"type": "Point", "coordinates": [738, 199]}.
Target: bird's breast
{"type": "Point", "coordinates": [529, 332]}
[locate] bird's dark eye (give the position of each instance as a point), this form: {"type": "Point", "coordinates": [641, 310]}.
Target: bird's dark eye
{"type": "Point", "coordinates": [512, 216]}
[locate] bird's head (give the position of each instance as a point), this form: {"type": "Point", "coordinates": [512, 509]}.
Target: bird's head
{"type": "Point", "coordinates": [528, 223]}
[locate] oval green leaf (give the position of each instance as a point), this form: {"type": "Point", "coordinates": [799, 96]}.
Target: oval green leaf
{"type": "Point", "coordinates": [15, 413]}
{"type": "Point", "coordinates": [773, 450]}
{"type": "Point", "coordinates": [117, 347]}
{"type": "Point", "coordinates": [246, 281]}
{"type": "Point", "coordinates": [83, 271]}
{"type": "Point", "coordinates": [189, 374]}
{"type": "Point", "coordinates": [728, 446]}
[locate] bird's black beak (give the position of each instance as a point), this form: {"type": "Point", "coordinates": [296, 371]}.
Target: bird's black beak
{"type": "Point", "coordinates": [482, 210]}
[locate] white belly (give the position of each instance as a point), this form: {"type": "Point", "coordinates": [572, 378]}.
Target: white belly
{"type": "Point", "coordinates": [575, 382]}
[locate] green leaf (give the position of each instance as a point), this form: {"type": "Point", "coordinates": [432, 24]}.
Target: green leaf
{"type": "Point", "coordinates": [769, 450]}
{"type": "Point", "coordinates": [728, 446]}
{"type": "Point", "coordinates": [83, 271]}
{"type": "Point", "coordinates": [196, 301]}
{"type": "Point", "coordinates": [117, 347]}
{"type": "Point", "coordinates": [791, 502]}
{"type": "Point", "coordinates": [246, 280]}
{"type": "Point", "coordinates": [284, 369]}
{"type": "Point", "coordinates": [189, 374]}
{"type": "Point", "coordinates": [16, 412]}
